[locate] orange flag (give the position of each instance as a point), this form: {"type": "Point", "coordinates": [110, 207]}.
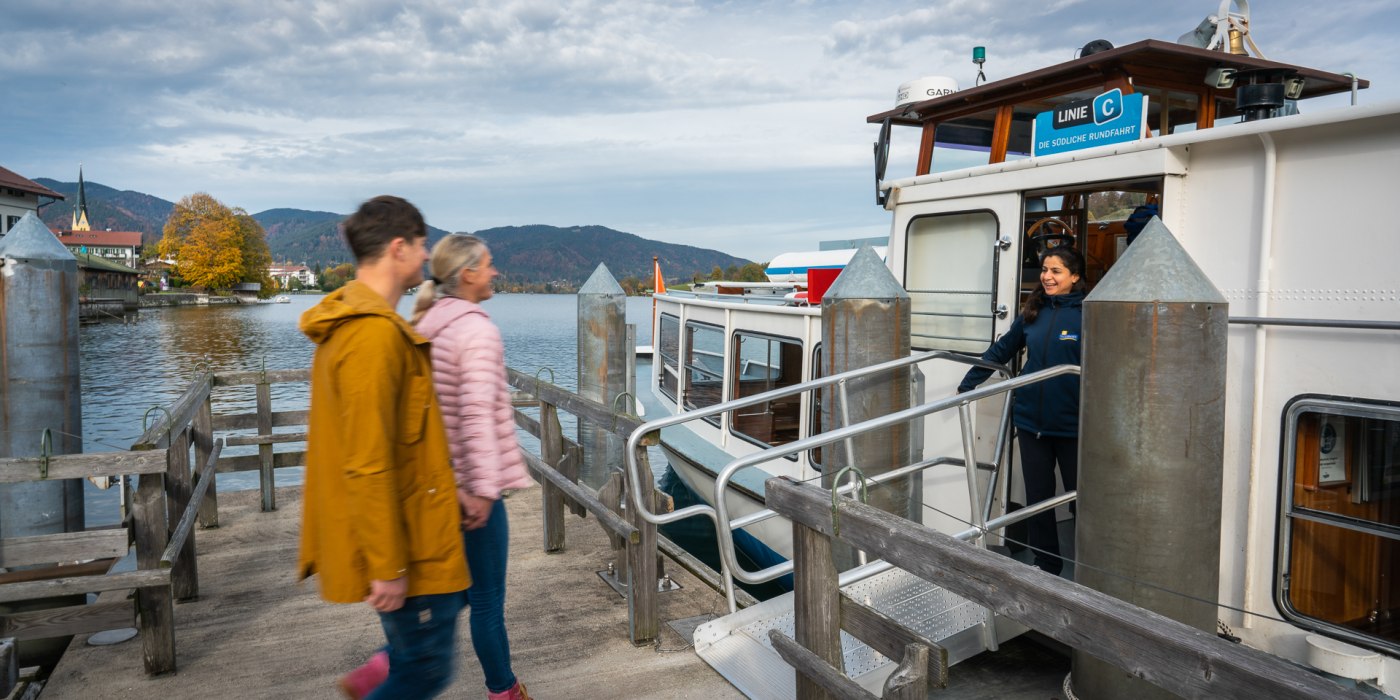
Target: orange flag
{"type": "Point", "coordinates": [658, 282]}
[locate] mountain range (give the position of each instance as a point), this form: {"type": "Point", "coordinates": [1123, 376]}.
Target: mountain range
{"type": "Point", "coordinates": [525, 255]}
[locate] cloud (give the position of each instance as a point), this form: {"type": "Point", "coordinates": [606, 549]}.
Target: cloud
{"type": "Point", "coordinates": [680, 117]}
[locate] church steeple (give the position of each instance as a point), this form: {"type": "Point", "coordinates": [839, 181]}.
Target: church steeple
{"type": "Point", "coordinates": [80, 215]}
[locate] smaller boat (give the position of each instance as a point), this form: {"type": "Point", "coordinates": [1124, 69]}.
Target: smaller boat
{"type": "Point", "coordinates": [282, 299]}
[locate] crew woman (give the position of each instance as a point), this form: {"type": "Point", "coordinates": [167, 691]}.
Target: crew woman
{"type": "Point", "coordinates": [1046, 413]}
{"type": "Point", "coordinates": [470, 375]}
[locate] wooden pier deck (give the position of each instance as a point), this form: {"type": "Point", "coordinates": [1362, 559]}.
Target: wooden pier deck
{"type": "Point", "coordinates": [255, 633]}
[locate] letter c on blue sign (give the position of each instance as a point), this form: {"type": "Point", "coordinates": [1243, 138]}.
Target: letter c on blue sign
{"type": "Point", "coordinates": [1108, 106]}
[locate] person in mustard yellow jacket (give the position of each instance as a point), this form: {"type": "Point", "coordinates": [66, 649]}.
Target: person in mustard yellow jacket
{"type": "Point", "coordinates": [382, 520]}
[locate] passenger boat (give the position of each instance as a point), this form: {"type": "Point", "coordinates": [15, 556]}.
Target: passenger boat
{"type": "Point", "coordinates": [1280, 205]}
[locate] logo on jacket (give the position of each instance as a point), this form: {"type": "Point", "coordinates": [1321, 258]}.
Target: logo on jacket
{"type": "Point", "coordinates": [1066, 335]}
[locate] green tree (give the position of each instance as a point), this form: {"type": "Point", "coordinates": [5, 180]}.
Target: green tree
{"type": "Point", "coordinates": [753, 272]}
{"type": "Point", "coordinates": [334, 278]}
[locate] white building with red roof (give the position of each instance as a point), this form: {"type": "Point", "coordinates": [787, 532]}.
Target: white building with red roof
{"type": "Point", "coordinates": [19, 196]}
{"type": "Point", "coordinates": [285, 272]}
{"type": "Point", "coordinates": [121, 247]}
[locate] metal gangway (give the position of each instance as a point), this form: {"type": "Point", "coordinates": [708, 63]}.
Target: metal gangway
{"type": "Point", "coordinates": [738, 645]}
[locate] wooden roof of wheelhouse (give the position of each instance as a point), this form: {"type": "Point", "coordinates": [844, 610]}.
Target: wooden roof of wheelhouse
{"type": "Point", "coordinates": [997, 116]}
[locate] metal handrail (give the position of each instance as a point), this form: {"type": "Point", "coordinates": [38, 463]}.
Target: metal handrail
{"type": "Point", "coordinates": [634, 440]}
{"type": "Point", "coordinates": [718, 514]}
{"type": "Point", "coordinates": [729, 559]}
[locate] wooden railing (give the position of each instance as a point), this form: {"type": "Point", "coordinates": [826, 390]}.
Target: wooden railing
{"type": "Point", "coordinates": [175, 493]}
{"type": "Point", "coordinates": [1174, 656]}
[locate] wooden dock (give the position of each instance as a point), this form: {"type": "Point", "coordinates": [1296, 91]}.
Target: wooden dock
{"type": "Point", "coordinates": [254, 632]}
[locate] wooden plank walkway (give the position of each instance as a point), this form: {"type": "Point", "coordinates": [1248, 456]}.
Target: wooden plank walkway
{"type": "Point", "coordinates": [255, 633]}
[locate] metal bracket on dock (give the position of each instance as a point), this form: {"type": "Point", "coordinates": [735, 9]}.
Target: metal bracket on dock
{"type": "Point", "coordinates": [45, 451]}
{"type": "Point", "coordinates": [665, 584]}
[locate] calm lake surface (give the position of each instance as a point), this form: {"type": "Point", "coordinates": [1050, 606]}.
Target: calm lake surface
{"type": "Point", "coordinates": [128, 369]}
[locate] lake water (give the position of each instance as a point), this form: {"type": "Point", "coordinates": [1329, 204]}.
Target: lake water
{"type": "Point", "coordinates": [128, 369]}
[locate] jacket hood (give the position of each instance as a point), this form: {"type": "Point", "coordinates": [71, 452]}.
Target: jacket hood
{"type": "Point", "coordinates": [1065, 300]}
{"type": "Point", "coordinates": [443, 313]}
{"type": "Point", "coordinates": [354, 300]}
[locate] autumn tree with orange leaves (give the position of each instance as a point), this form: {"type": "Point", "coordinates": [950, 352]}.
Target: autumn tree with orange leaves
{"type": "Point", "coordinates": [214, 246]}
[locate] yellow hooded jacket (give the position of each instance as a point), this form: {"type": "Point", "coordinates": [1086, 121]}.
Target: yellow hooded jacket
{"type": "Point", "coordinates": [380, 499]}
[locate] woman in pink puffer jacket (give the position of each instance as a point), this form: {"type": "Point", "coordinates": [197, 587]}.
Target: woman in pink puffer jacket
{"type": "Point", "coordinates": [469, 371]}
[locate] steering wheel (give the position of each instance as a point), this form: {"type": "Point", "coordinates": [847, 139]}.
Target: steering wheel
{"type": "Point", "coordinates": [1049, 233]}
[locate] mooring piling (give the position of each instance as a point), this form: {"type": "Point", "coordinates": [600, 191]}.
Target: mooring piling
{"type": "Point", "coordinates": [865, 321]}
{"type": "Point", "coordinates": [41, 388]}
{"type": "Point", "coordinates": [602, 367]}
{"type": "Point", "coordinates": [1151, 445]}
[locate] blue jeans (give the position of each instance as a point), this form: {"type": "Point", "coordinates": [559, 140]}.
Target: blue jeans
{"type": "Point", "coordinates": [488, 548]}
{"type": "Point", "coordinates": [422, 646]}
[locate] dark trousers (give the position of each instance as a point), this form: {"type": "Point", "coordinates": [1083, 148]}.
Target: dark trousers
{"type": "Point", "coordinates": [422, 646]}
{"type": "Point", "coordinates": [1039, 455]}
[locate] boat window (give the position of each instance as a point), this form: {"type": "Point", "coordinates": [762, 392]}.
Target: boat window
{"type": "Point", "coordinates": [704, 366]}
{"type": "Point", "coordinates": [668, 349]}
{"type": "Point", "coordinates": [1340, 530]}
{"type": "Point", "coordinates": [764, 363]}
{"type": "Point", "coordinates": [1171, 111]}
{"type": "Point", "coordinates": [949, 276]}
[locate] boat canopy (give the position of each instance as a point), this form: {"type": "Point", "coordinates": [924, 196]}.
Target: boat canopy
{"type": "Point", "coordinates": [1184, 86]}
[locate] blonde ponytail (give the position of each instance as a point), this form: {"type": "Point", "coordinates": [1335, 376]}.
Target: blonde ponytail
{"type": "Point", "coordinates": [427, 294]}
{"type": "Point", "coordinates": [454, 253]}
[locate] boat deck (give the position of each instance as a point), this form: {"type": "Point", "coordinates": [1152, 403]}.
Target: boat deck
{"type": "Point", "coordinates": [255, 633]}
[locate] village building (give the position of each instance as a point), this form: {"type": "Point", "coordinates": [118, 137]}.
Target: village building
{"type": "Point", "coordinates": [285, 272]}
{"type": "Point", "coordinates": [100, 279]}
{"type": "Point", "coordinates": [19, 196]}
{"type": "Point", "coordinates": [121, 247]}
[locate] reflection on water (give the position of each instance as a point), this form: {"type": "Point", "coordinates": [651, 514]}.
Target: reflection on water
{"type": "Point", "coordinates": [127, 369]}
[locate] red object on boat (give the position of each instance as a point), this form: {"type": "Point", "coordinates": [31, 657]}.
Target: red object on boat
{"type": "Point", "coordinates": [819, 280]}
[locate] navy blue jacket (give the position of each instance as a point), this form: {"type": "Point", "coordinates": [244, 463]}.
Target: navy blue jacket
{"type": "Point", "coordinates": [1049, 407]}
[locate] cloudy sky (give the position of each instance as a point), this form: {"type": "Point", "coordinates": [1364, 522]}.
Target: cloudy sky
{"type": "Point", "coordinates": [733, 125]}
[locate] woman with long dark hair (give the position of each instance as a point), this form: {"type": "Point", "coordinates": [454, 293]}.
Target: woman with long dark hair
{"type": "Point", "coordinates": [1046, 414]}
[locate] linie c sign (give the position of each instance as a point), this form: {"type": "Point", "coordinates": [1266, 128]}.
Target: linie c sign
{"type": "Point", "coordinates": [1111, 117]}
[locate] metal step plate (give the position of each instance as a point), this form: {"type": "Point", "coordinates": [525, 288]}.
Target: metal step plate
{"type": "Point", "coordinates": [737, 645]}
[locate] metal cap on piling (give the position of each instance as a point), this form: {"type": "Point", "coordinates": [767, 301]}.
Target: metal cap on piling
{"type": "Point", "coordinates": [1151, 445]}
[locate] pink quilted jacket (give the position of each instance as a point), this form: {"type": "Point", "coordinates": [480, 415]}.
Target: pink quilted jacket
{"type": "Point", "coordinates": [470, 375]}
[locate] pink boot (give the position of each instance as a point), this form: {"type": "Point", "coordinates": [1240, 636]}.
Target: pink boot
{"type": "Point", "coordinates": [516, 692]}
{"type": "Point", "coordinates": [363, 680]}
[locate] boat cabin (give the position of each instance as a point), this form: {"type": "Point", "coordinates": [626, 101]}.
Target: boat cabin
{"type": "Point", "coordinates": [1186, 87]}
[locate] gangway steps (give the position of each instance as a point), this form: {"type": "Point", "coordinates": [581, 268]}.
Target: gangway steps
{"type": "Point", "coordinates": [737, 645]}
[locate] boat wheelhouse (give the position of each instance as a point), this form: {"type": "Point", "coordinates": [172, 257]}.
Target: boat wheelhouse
{"type": "Point", "coordinates": [1276, 207]}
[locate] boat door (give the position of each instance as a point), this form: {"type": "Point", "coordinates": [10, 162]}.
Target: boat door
{"type": "Point", "coordinates": [959, 259]}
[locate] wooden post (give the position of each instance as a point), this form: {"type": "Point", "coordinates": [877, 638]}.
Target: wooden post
{"type": "Point", "coordinates": [184, 577]}
{"type": "Point", "coordinates": [9, 668]}
{"type": "Point", "coordinates": [552, 453]}
{"type": "Point", "coordinates": [910, 679]}
{"type": "Point", "coordinates": [816, 604]}
{"type": "Point", "coordinates": [266, 480]}
{"type": "Point", "coordinates": [203, 434]}
{"type": "Point", "coordinates": [643, 602]}
{"type": "Point", "coordinates": [154, 605]}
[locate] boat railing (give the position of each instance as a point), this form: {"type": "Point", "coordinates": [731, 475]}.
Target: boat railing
{"type": "Point", "coordinates": [1141, 643]}
{"type": "Point", "coordinates": [718, 513]}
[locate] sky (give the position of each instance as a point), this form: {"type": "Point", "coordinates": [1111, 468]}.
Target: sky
{"type": "Point", "coordinates": [738, 126]}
